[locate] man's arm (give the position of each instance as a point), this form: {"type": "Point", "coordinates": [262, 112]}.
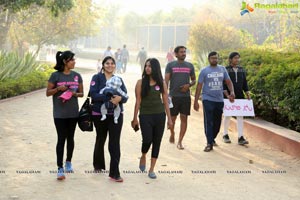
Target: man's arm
{"type": "Point", "coordinates": [186, 87]}
{"type": "Point", "coordinates": [193, 81]}
{"type": "Point", "coordinates": [167, 79]}
{"type": "Point", "coordinates": [197, 95]}
{"type": "Point", "coordinates": [231, 89]}
{"type": "Point", "coordinates": [193, 77]}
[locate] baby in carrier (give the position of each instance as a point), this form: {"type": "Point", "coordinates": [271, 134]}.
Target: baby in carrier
{"type": "Point", "coordinates": [113, 87]}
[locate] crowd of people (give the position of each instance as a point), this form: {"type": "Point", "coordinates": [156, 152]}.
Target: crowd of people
{"type": "Point", "coordinates": [121, 57]}
{"type": "Point", "coordinates": [158, 100]}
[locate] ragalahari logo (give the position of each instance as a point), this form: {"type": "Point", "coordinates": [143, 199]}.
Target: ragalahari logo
{"type": "Point", "coordinates": [246, 8]}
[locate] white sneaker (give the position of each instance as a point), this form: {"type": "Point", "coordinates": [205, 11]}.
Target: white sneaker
{"type": "Point", "coordinates": [116, 120]}
{"type": "Point", "coordinates": [103, 117]}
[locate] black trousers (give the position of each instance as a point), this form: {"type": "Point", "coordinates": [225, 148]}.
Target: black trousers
{"type": "Point", "coordinates": [212, 119]}
{"type": "Point", "coordinates": [152, 128]}
{"type": "Point", "coordinates": [65, 129]}
{"type": "Point", "coordinates": [114, 130]}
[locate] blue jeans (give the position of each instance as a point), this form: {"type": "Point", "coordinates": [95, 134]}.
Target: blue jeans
{"type": "Point", "coordinates": [212, 119]}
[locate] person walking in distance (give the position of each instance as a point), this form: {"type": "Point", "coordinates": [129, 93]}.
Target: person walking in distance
{"type": "Point", "coordinates": [107, 52]}
{"type": "Point", "coordinates": [179, 77]}
{"type": "Point", "coordinates": [170, 55]}
{"type": "Point", "coordinates": [118, 59]}
{"type": "Point", "coordinates": [142, 56]}
{"type": "Point", "coordinates": [125, 58]}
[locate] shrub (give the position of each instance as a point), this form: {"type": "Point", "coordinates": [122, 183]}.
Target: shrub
{"type": "Point", "coordinates": [32, 81]}
{"type": "Point", "coordinates": [14, 66]}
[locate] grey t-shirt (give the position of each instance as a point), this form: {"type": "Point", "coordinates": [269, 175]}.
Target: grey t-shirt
{"type": "Point", "coordinates": [68, 109]}
{"type": "Point", "coordinates": [212, 79]}
{"type": "Point", "coordinates": [180, 74]}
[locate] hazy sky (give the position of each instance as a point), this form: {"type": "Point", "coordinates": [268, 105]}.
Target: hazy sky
{"type": "Point", "coordinates": [148, 6]}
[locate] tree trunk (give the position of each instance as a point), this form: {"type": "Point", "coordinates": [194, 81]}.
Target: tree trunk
{"type": "Point", "coordinates": [5, 20]}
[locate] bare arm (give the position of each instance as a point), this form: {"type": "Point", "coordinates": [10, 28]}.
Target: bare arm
{"type": "Point", "coordinates": [193, 81]}
{"type": "Point", "coordinates": [138, 99]}
{"type": "Point", "coordinates": [186, 87]}
{"type": "Point", "coordinates": [80, 91]}
{"type": "Point", "coordinates": [166, 105]}
{"type": "Point", "coordinates": [225, 92]}
{"type": "Point", "coordinates": [197, 95]}
{"type": "Point", "coordinates": [167, 79]}
{"type": "Point", "coordinates": [231, 89]}
{"type": "Point", "coordinates": [115, 99]}
{"type": "Point", "coordinates": [52, 90]}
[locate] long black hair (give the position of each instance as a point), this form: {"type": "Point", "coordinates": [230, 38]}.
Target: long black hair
{"type": "Point", "coordinates": [155, 74]}
{"type": "Point", "coordinates": [62, 58]}
{"type": "Point", "coordinates": [104, 61]}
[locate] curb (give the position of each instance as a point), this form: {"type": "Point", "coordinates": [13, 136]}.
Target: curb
{"type": "Point", "coordinates": [283, 139]}
{"type": "Point", "coordinates": [22, 95]}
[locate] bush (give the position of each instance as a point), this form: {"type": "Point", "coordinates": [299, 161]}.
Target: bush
{"type": "Point", "coordinates": [12, 66]}
{"type": "Point", "coordinates": [27, 83]}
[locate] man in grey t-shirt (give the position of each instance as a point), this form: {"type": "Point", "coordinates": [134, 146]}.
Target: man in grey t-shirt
{"type": "Point", "coordinates": [181, 75]}
{"type": "Point", "coordinates": [210, 82]}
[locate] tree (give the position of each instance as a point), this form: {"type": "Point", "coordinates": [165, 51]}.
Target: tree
{"type": "Point", "coordinates": [11, 7]}
{"type": "Point", "coordinates": [54, 5]}
{"type": "Point", "coordinates": [247, 39]}
{"type": "Point", "coordinates": [295, 37]}
{"type": "Point", "coordinates": [212, 36]}
{"type": "Point", "coordinates": [36, 26]}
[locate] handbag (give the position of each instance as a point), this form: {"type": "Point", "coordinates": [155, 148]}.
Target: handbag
{"type": "Point", "coordinates": [85, 121]}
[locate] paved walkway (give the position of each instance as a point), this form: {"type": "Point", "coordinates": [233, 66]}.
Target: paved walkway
{"type": "Point", "coordinates": [28, 160]}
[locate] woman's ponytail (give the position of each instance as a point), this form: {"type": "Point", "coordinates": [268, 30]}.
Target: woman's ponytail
{"type": "Point", "coordinates": [60, 57]}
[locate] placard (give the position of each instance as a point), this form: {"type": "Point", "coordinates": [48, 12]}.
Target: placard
{"type": "Point", "coordinates": [240, 107]}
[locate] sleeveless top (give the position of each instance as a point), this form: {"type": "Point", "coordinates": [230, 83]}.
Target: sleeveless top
{"type": "Point", "coordinates": [152, 103]}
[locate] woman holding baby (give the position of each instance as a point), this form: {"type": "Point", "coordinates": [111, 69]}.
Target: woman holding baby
{"type": "Point", "coordinates": [108, 124]}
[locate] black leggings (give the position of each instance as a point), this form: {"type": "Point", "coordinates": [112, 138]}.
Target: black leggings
{"type": "Point", "coordinates": [65, 129]}
{"type": "Point", "coordinates": [114, 131]}
{"type": "Point", "coordinates": [152, 127]}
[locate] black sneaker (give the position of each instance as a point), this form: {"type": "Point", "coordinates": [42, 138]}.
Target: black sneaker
{"type": "Point", "coordinates": [242, 141]}
{"type": "Point", "coordinates": [226, 138]}
{"type": "Point", "coordinates": [208, 148]}
{"type": "Point", "coordinates": [215, 144]}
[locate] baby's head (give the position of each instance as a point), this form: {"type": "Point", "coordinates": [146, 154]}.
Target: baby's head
{"type": "Point", "coordinates": [114, 82]}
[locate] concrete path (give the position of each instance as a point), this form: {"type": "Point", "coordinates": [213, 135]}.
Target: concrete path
{"type": "Point", "coordinates": [233, 172]}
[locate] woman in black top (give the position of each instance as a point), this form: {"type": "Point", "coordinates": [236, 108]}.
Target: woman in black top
{"type": "Point", "coordinates": [152, 105]}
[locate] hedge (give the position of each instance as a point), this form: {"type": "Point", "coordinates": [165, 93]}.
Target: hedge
{"type": "Point", "coordinates": [27, 83]}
